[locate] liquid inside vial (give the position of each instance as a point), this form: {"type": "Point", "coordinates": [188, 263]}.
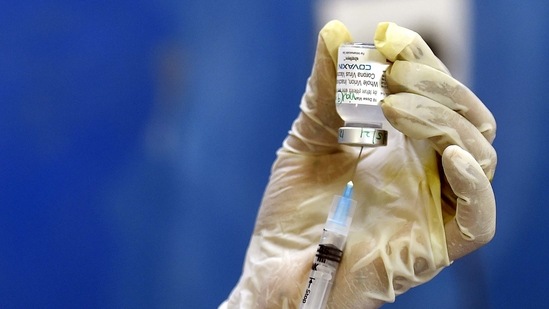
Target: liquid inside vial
{"type": "Point", "coordinates": [361, 85]}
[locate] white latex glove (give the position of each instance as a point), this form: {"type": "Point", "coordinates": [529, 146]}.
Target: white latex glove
{"type": "Point", "coordinates": [423, 200]}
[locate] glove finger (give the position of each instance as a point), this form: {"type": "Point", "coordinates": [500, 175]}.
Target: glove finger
{"type": "Point", "coordinates": [405, 76]}
{"type": "Point", "coordinates": [399, 43]}
{"type": "Point", "coordinates": [475, 221]}
{"type": "Point", "coordinates": [315, 129]}
{"type": "Point", "coordinates": [419, 117]}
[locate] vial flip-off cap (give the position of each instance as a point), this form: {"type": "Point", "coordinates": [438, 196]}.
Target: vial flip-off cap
{"type": "Point", "coordinates": [358, 136]}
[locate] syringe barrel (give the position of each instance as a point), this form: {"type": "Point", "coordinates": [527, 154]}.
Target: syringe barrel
{"type": "Point", "coordinates": [318, 290]}
{"type": "Point", "coordinates": [329, 251]}
{"type": "Point", "coordinates": [323, 271]}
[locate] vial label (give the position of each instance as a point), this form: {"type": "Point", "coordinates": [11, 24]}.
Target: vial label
{"type": "Point", "coordinates": [360, 75]}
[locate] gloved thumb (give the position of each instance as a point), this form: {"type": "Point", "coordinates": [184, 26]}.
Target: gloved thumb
{"type": "Point", "coordinates": [315, 129]}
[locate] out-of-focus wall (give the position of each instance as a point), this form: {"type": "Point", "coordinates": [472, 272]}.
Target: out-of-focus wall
{"type": "Point", "coordinates": [136, 140]}
{"type": "Point", "coordinates": [511, 76]}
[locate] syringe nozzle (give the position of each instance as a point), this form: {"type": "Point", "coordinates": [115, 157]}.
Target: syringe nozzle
{"type": "Point", "coordinates": [348, 192]}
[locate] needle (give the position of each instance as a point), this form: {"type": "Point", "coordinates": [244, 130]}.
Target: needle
{"type": "Point", "coordinates": [356, 164]}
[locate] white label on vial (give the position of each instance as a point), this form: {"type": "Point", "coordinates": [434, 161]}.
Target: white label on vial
{"type": "Point", "coordinates": [360, 79]}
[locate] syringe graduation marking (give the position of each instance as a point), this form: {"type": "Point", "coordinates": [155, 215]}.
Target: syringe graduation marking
{"type": "Point", "coordinates": [328, 252]}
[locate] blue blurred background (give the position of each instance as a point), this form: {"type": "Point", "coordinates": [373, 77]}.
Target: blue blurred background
{"type": "Point", "coordinates": [136, 138]}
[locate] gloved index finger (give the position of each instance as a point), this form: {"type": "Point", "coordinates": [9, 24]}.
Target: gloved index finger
{"type": "Point", "coordinates": [421, 72]}
{"type": "Point", "coordinates": [406, 76]}
{"type": "Point", "coordinates": [399, 43]}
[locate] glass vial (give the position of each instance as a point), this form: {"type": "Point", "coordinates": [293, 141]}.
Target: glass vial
{"type": "Point", "coordinates": [360, 87]}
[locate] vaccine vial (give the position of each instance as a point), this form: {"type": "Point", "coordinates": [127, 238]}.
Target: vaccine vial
{"type": "Point", "coordinates": [360, 87]}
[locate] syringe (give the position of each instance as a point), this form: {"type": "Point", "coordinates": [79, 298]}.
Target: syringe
{"type": "Point", "coordinates": [330, 251]}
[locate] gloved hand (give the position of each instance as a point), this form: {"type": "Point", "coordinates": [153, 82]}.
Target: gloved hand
{"type": "Point", "coordinates": [424, 200]}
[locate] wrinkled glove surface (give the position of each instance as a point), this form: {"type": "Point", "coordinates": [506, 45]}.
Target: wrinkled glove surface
{"type": "Point", "coordinates": [424, 200]}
